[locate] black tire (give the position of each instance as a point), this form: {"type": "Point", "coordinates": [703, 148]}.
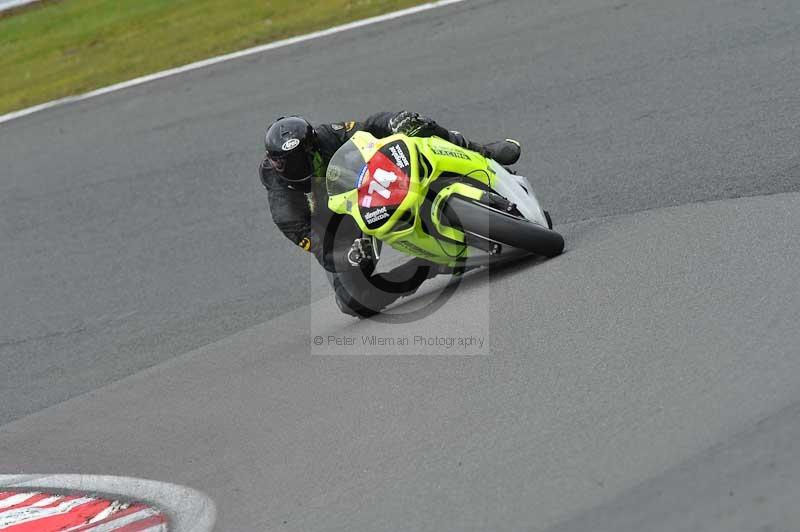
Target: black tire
{"type": "Point", "coordinates": [498, 226]}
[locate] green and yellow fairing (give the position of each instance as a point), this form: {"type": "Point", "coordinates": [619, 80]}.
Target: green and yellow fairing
{"type": "Point", "coordinates": [364, 180]}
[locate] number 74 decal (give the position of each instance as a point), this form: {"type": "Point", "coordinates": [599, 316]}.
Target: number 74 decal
{"type": "Point", "coordinates": [380, 184]}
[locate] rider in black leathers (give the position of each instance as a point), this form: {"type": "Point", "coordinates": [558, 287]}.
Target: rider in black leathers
{"type": "Point", "coordinates": [293, 170]}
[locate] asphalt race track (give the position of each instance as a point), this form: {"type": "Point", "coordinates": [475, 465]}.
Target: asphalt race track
{"type": "Point", "coordinates": [155, 325]}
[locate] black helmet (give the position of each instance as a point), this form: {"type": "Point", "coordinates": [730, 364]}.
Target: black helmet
{"type": "Point", "coordinates": [289, 142]}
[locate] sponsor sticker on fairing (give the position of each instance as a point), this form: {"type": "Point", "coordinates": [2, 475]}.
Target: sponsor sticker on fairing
{"type": "Point", "coordinates": [399, 157]}
{"type": "Point", "coordinates": [449, 152]}
{"type": "Point", "coordinates": [376, 215]}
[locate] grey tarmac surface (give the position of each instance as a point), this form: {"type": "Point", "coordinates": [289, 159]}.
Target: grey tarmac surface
{"type": "Point", "coordinates": [133, 235]}
{"type": "Point", "coordinates": [600, 378]}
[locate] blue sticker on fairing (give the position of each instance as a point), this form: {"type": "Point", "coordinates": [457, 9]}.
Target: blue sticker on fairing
{"type": "Point", "coordinates": [361, 176]}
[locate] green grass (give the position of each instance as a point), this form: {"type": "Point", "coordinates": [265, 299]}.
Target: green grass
{"type": "Point", "coordinates": [64, 47]}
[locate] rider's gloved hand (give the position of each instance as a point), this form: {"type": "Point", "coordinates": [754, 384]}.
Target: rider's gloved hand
{"type": "Point", "coordinates": [360, 252]}
{"type": "Point", "coordinates": [411, 124]}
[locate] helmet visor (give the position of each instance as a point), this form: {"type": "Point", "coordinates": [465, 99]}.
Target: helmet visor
{"type": "Point", "coordinates": [294, 166]}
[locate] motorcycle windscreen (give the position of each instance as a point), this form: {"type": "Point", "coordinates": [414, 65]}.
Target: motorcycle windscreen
{"type": "Point", "coordinates": [383, 184]}
{"type": "Point", "coordinates": [344, 169]}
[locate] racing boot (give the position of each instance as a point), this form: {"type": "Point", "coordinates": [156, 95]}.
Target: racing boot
{"type": "Point", "coordinates": [505, 152]}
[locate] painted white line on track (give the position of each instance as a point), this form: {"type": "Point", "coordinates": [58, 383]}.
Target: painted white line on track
{"type": "Point", "coordinates": [188, 510]}
{"type": "Point", "coordinates": [227, 57]}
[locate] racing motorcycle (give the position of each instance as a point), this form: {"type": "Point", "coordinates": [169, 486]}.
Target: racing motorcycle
{"type": "Point", "coordinates": [432, 199]}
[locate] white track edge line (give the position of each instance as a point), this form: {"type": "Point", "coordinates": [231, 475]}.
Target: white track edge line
{"type": "Point", "coordinates": [227, 57]}
{"type": "Point", "coordinates": [11, 4]}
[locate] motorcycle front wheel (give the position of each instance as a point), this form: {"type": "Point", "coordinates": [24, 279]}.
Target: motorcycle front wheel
{"type": "Point", "coordinates": [492, 224]}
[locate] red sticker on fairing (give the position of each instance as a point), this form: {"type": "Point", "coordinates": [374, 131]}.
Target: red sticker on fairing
{"type": "Point", "coordinates": [384, 185]}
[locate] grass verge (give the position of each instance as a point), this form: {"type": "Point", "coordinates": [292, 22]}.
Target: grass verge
{"type": "Point", "coordinates": [64, 47]}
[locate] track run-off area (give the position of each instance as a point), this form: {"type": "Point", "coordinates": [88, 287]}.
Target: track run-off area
{"type": "Point", "coordinates": [156, 325]}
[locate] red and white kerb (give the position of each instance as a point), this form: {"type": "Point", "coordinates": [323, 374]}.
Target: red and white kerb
{"type": "Point", "coordinates": [44, 512]}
